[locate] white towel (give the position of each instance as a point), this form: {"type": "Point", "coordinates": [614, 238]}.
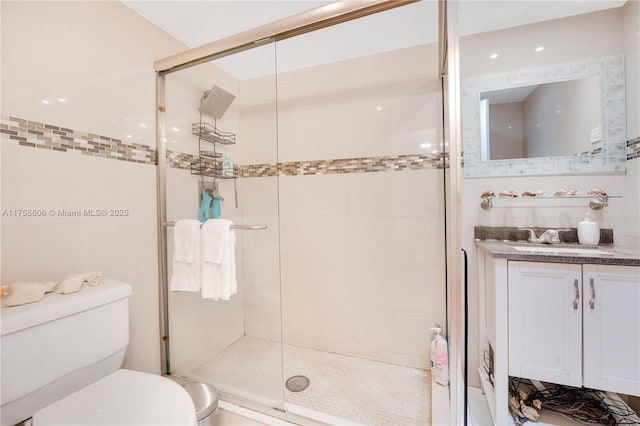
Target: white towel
{"type": "Point", "coordinates": [218, 260]}
{"type": "Point", "coordinates": [185, 275]}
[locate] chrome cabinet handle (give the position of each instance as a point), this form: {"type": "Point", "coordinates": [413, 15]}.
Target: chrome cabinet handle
{"type": "Point", "coordinates": [577, 298]}
{"type": "Point", "coordinates": [592, 301]}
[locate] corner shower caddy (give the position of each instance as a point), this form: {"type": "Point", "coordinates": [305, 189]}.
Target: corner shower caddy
{"type": "Point", "coordinates": [215, 102]}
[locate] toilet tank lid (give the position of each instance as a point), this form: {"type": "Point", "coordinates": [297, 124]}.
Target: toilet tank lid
{"type": "Point", "coordinates": [54, 306]}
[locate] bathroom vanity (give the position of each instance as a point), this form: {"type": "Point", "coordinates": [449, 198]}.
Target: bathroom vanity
{"type": "Point", "coordinates": [563, 314]}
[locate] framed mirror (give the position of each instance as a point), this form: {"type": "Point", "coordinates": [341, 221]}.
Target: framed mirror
{"type": "Point", "coordinates": [559, 119]}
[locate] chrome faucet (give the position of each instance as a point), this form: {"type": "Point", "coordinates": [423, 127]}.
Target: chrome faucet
{"type": "Point", "coordinates": [550, 236]}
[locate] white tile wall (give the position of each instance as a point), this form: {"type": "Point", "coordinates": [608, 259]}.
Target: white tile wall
{"type": "Point", "coordinates": [50, 247]}
{"type": "Point", "coordinates": [103, 72]}
{"type": "Point", "coordinates": [259, 202]}
{"type": "Point", "coordinates": [108, 86]}
{"type": "Point", "coordinates": [362, 273]}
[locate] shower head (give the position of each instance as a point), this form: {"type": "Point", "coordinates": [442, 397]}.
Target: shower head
{"type": "Point", "coordinates": [216, 101]}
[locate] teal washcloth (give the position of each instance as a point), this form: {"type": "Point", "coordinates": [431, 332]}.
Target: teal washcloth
{"type": "Point", "coordinates": [204, 207]}
{"type": "Point", "coordinates": [216, 208]}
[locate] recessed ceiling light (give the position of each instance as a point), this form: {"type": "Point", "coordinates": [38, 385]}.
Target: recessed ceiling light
{"type": "Point", "coordinates": [44, 101]}
{"type": "Point", "coordinates": [175, 129]}
{"type": "Point", "coordinates": [62, 100]}
{"type": "Point", "coordinates": [539, 48]}
{"type": "Point", "coordinates": [435, 151]}
{"type": "Point", "coordinates": [129, 136]}
{"type": "Point", "coordinates": [558, 111]}
{"type": "Point", "coordinates": [509, 126]}
{"type": "Point", "coordinates": [144, 126]}
{"type": "Point", "coordinates": [493, 55]}
{"type": "Point", "coordinates": [379, 109]}
{"type": "Point", "coordinates": [425, 145]}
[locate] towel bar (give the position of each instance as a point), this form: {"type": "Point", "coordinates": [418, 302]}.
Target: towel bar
{"type": "Point", "coordinates": [238, 227]}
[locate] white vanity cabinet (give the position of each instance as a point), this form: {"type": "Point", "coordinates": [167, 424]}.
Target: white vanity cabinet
{"type": "Point", "coordinates": [545, 322]}
{"type": "Point", "coordinates": [611, 328]}
{"type": "Point", "coordinates": [576, 325]}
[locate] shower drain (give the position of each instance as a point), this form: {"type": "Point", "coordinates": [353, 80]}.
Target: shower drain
{"type": "Point", "coordinates": [297, 383]}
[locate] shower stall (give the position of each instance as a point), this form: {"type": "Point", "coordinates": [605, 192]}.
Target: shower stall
{"type": "Point", "coordinates": [333, 167]}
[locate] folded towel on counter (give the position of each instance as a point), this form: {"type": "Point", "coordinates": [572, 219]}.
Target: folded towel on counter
{"type": "Point", "coordinates": [218, 260]}
{"type": "Point", "coordinates": [185, 275]}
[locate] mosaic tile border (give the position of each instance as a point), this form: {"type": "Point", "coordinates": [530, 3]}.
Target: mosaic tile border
{"type": "Point", "coordinates": [180, 160]}
{"type": "Point", "coordinates": [322, 167]}
{"type": "Point", "coordinates": [345, 165]}
{"type": "Point", "coordinates": [47, 136]}
{"type": "Point", "coordinates": [56, 138]}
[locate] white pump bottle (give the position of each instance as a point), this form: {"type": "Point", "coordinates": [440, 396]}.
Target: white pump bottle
{"type": "Point", "coordinates": [439, 358]}
{"type": "Point", "coordinates": [588, 231]}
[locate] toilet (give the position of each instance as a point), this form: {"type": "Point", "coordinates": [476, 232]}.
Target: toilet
{"type": "Point", "coordinates": [61, 361]}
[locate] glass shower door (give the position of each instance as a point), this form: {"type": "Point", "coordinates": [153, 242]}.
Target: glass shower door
{"type": "Point", "coordinates": [235, 345]}
{"type": "Point", "coordinates": [362, 215]}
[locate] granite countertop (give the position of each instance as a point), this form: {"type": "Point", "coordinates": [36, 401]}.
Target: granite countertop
{"type": "Point", "coordinates": [613, 256]}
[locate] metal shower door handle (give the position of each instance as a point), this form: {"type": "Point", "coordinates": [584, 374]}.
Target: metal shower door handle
{"type": "Point", "coordinates": [577, 297]}
{"type": "Point", "coordinates": [592, 301]}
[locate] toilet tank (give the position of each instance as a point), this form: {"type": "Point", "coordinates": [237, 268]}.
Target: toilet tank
{"type": "Point", "coordinates": [59, 345]}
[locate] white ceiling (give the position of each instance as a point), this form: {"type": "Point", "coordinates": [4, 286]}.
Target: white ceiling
{"type": "Point", "coordinates": [505, 96]}
{"type": "Point", "coordinates": [198, 22]}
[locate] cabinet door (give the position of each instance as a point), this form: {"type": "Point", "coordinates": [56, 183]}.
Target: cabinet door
{"type": "Point", "coordinates": [611, 305]}
{"type": "Point", "coordinates": [545, 322]}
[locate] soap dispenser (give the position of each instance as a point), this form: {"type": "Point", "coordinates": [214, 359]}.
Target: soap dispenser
{"type": "Point", "coordinates": [588, 231]}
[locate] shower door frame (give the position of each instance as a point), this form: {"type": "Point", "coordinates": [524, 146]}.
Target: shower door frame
{"type": "Point", "coordinates": [315, 19]}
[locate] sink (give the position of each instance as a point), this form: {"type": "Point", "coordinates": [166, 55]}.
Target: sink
{"type": "Point", "coordinates": [561, 250]}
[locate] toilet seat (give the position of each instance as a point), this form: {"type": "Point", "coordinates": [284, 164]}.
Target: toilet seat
{"type": "Point", "coordinates": [123, 398]}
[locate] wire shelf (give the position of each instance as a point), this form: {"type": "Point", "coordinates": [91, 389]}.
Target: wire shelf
{"type": "Point", "coordinates": [209, 133]}
{"type": "Point", "coordinates": [210, 154]}
{"type": "Point", "coordinates": [214, 169]}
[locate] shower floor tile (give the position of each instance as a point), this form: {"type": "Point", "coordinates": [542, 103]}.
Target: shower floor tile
{"type": "Point", "coordinates": [359, 390]}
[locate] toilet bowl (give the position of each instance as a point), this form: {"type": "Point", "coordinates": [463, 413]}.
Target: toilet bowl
{"type": "Point", "coordinates": [61, 361]}
{"type": "Point", "coordinates": [122, 398]}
